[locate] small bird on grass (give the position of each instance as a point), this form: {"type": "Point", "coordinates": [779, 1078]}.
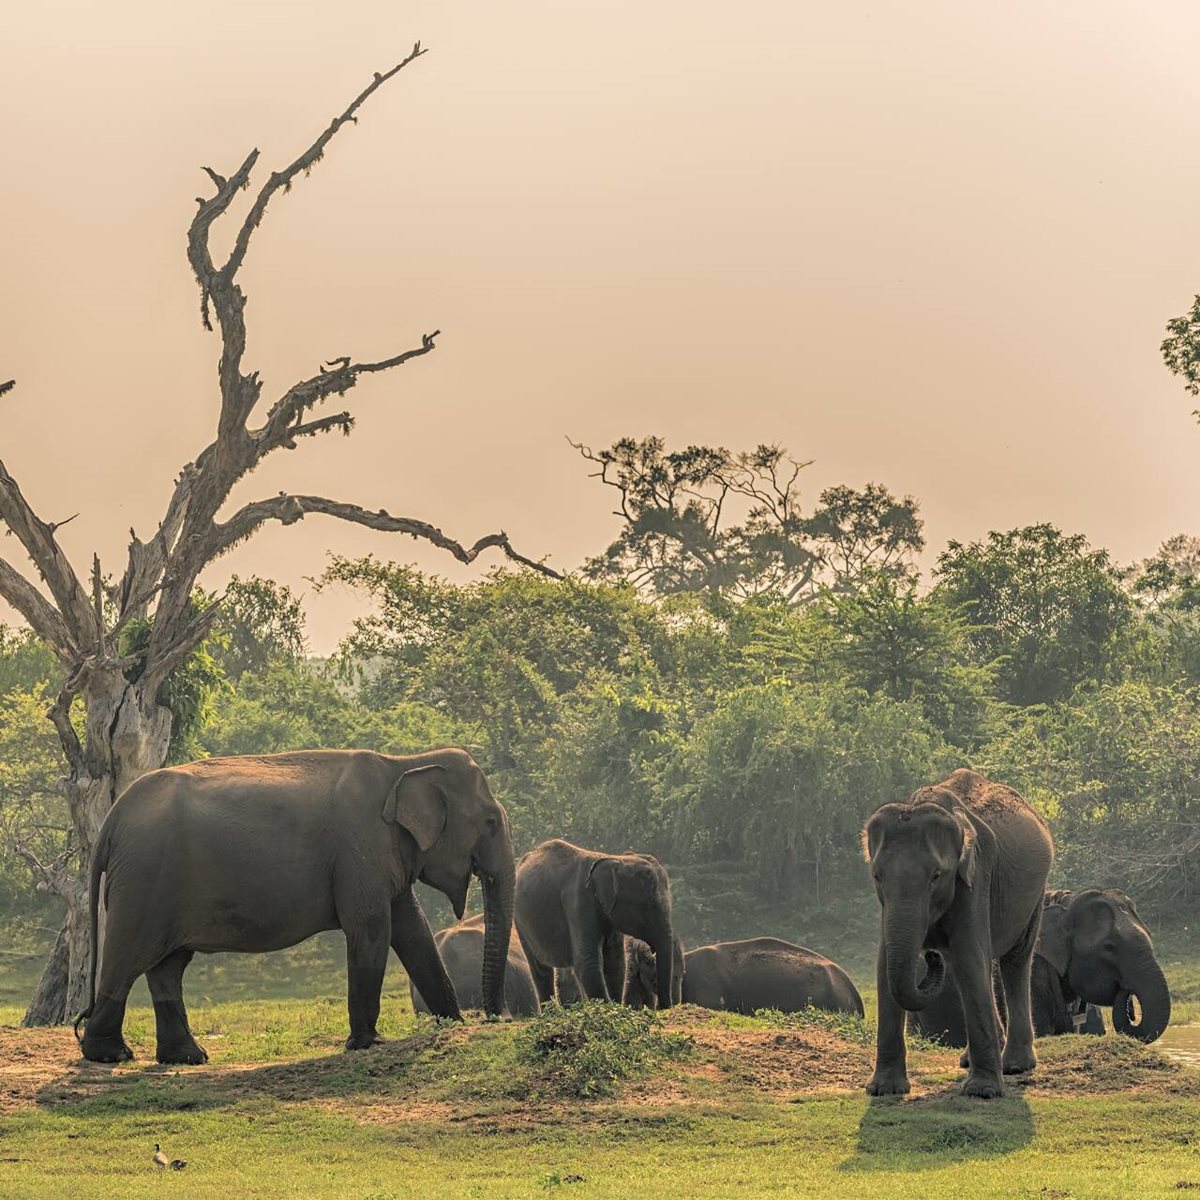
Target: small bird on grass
{"type": "Point", "coordinates": [161, 1161]}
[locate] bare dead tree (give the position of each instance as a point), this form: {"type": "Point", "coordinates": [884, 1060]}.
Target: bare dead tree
{"type": "Point", "coordinates": [126, 727]}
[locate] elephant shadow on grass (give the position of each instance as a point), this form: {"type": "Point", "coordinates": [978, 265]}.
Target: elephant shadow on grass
{"type": "Point", "coordinates": [434, 1064]}
{"type": "Point", "coordinates": [938, 1130]}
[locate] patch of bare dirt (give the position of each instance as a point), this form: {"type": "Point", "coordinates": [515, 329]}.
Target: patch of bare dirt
{"type": "Point", "coordinates": [43, 1067]}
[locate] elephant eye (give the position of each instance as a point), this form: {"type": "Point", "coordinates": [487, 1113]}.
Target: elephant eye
{"type": "Point", "coordinates": [935, 876]}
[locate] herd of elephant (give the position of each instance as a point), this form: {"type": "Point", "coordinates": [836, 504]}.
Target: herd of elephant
{"type": "Point", "coordinates": [257, 854]}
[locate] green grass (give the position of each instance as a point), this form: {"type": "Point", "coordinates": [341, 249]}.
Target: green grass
{"type": "Point", "coordinates": [487, 1111]}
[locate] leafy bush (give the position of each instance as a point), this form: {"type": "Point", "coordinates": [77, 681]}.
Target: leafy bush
{"type": "Point", "coordinates": [586, 1049]}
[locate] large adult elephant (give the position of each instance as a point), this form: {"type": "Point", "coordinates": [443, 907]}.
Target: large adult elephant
{"type": "Point", "coordinates": [574, 907]}
{"type": "Point", "coordinates": [461, 947]}
{"type": "Point", "coordinates": [959, 870]}
{"type": "Point", "coordinates": [256, 854]}
{"type": "Point", "coordinates": [1093, 952]}
{"type": "Point", "coordinates": [766, 972]}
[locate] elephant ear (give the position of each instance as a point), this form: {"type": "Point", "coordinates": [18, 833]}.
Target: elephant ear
{"type": "Point", "coordinates": [1054, 943]}
{"type": "Point", "coordinates": [417, 803]}
{"type": "Point", "coordinates": [966, 856]}
{"type": "Point", "coordinates": [602, 879]}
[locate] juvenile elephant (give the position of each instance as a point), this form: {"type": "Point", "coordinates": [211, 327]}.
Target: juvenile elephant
{"type": "Point", "coordinates": [461, 947]}
{"type": "Point", "coordinates": [574, 907]}
{"type": "Point", "coordinates": [959, 870]}
{"type": "Point", "coordinates": [641, 974]}
{"type": "Point", "coordinates": [1093, 952]}
{"type": "Point", "coordinates": [641, 977]}
{"type": "Point", "coordinates": [260, 853]}
{"type": "Point", "coordinates": [766, 973]}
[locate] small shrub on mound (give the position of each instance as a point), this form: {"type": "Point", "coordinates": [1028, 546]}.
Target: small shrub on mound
{"type": "Point", "coordinates": [587, 1049]}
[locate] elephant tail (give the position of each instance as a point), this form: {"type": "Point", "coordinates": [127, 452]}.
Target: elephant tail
{"type": "Point", "coordinates": [99, 864]}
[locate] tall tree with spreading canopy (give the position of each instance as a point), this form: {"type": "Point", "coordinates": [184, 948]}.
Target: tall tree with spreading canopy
{"type": "Point", "coordinates": [706, 519]}
{"type": "Point", "coordinates": [120, 682]}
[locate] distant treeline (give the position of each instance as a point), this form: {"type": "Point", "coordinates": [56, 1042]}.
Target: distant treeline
{"type": "Point", "coordinates": [742, 734]}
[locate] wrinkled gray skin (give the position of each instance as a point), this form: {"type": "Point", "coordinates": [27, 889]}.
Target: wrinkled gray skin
{"type": "Point", "coordinates": [574, 907]}
{"type": "Point", "coordinates": [461, 947]}
{"type": "Point", "coordinates": [766, 972]}
{"type": "Point", "coordinates": [259, 853]}
{"type": "Point", "coordinates": [1093, 952]}
{"type": "Point", "coordinates": [959, 870]}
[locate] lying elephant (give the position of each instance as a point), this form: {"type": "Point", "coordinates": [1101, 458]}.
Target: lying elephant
{"type": "Point", "coordinates": [1093, 951]}
{"type": "Point", "coordinates": [640, 980]}
{"type": "Point", "coordinates": [461, 947]}
{"type": "Point", "coordinates": [260, 853]}
{"type": "Point", "coordinates": [959, 870]}
{"type": "Point", "coordinates": [766, 973]}
{"type": "Point", "coordinates": [574, 907]}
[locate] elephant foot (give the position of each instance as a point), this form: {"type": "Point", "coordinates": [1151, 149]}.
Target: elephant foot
{"type": "Point", "coordinates": [105, 1050]}
{"type": "Point", "coordinates": [889, 1083]}
{"type": "Point", "coordinates": [1019, 1062]}
{"type": "Point", "coordinates": [364, 1041]}
{"type": "Point", "coordinates": [983, 1087]}
{"type": "Point", "coordinates": [189, 1053]}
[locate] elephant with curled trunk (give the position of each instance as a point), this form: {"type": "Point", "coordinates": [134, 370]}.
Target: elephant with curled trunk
{"type": "Point", "coordinates": [462, 947]}
{"type": "Point", "coordinates": [959, 870]}
{"type": "Point", "coordinates": [1093, 952]}
{"type": "Point", "coordinates": [766, 972]}
{"type": "Point", "coordinates": [259, 853]}
{"type": "Point", "coordinates": [574, 908]}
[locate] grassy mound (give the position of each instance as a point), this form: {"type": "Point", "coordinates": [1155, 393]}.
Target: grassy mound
{"type": "Point", "coordinates": [588, 1049]}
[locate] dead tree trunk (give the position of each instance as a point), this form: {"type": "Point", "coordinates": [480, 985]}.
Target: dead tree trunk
{"type": "Point", "coordinates": [127, 726]}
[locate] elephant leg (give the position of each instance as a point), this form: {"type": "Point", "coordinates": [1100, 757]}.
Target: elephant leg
{"type": "Point", "coordinates": [413, 942]}
{"type": "Point", "coordinates": [121, 962]}
{"type": "Point", "coordinates": [1015, 970]}
{"type": "Point", "coordinates": [589, 971]}
{"type": "Point", "coordinates": [613, 953]}
{"type": "Point", "coordinates": [973, 970]}
{"type": "Point", "coordinates": [366, 959]}
{"type": "Point", "coordinates": [175, 1041]}
{"type": "Point", "coordinates": [543, 976]}
{"type": "Point", "coordinates": [891, 1064]}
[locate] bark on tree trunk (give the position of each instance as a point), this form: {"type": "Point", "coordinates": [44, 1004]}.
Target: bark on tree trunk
{"type": "Point", "coordinates": [48, 1006]}
{"type": "Point", "coordinates": [127, 733]}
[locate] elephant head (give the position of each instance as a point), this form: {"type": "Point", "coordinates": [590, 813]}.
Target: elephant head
{"type": "Point", "coordinates": [1095, 941]}
{"type": "Point", "coordinates": [635, 894]}
{"type": "Point", "coordinates": [445, 805]}
{"type": "Point", "coordinates": [919, 852]}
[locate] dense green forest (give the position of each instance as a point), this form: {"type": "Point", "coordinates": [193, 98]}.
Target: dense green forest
{"type": "Point", "coordinates": [735, 697]}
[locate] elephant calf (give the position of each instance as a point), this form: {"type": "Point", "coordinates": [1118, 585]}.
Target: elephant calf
{"type": "Point", "coordinates": [461, 947]}
{"type": "Point", "coordinates": [766, 973]}
{"type": "Point", "coordinates": [641, 977]}
{"type": "Point", "coordinates": [959, 870]}
{"type": "Point", "coordinates": [574, 908]}
{"type": "Point", "coordinates": [1093, 952]}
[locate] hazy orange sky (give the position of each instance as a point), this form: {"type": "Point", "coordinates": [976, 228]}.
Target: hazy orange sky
{"type": "Point", "coordinates": [933, 245]}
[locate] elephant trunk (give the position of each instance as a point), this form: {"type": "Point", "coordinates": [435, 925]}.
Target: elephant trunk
{"type": "Point", "coordinates": [664, 965]}
{"type": "Point", "coordinates": [1149, 986]}
{"type": "Point", "coordinates": [911, 988]}
{"type": "Point", "coordinates": [497, 920]}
